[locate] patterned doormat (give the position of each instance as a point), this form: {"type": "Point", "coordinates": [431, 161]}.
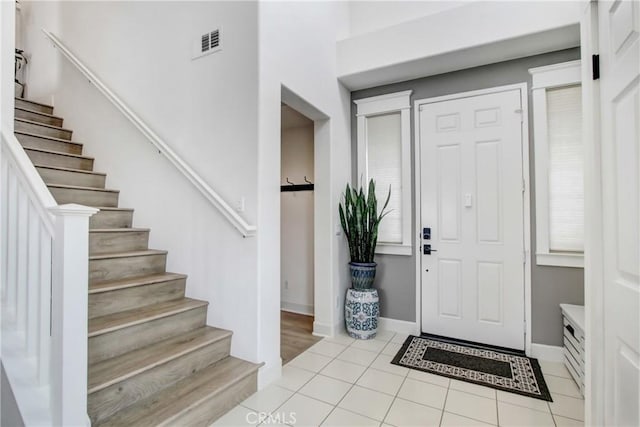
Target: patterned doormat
{"type": "Point", "coordinates": [502, 369]}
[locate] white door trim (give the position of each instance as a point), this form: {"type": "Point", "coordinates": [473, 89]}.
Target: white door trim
{"type": "Point", "coordinates": [522, 87]}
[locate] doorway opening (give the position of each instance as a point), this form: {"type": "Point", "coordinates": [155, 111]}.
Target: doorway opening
{"type": "Point", "coordinates": [296, 233]}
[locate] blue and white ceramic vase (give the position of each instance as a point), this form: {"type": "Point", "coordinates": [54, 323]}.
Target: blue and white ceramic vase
{"type": "Point", "coordinates": [361, 311]}
{"type": "Point", "coordinates": [362, 274]}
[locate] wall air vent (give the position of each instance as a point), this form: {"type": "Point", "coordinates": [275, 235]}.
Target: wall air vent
{"type": "Point", "coordinates": [207, 43]}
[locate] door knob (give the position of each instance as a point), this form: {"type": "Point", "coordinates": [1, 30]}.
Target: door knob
{"type": "Point", "coordinates": [426, 250]}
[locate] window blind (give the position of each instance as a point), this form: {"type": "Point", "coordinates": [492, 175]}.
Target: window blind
{"type": "Point", "coordinates": [566, 188]}
{"type": "Point", "coordinates": [384, 165]}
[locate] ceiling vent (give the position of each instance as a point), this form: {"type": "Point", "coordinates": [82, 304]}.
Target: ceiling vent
{"type": "Point", "coordinates": [209, 42]}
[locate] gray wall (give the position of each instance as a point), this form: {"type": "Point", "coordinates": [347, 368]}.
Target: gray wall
{"type": "Point", "coordinates": [396, 281]}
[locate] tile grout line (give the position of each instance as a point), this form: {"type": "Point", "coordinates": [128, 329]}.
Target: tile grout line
{"type": "Point", "coordinates": [497, 410]}
{"type": "Point", "coordinates": [444, 404]}
{"type": "Point", "coordinates": [552, 416]}
{"type": "Point", "coordinates": [318, 373]}
{"type": "Point", "coordinates": [369, 366]}
{"type": "Point", "coordinates": [356, 380]}
{"type": "Point", "coordinates": [352, 385]}
{"type": "Point", "coordinates": [404, 380]}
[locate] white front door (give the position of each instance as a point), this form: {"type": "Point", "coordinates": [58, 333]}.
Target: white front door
{"type": "Point", "coordinates": [619, 29]}
{"type": "Point", "coordinates": [472, 201]}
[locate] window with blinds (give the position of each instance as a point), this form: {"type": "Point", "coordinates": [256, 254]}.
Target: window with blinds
{"type": "Point", "coordinates": [384, 165]}
{"type": "Point", "coordinates": [566, 184]}
{"type": "Point", "coordinates": [559, 166]}
{"type": "Point", "coordinates": [384, 155]}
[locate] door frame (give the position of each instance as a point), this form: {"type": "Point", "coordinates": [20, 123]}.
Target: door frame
{"type": "Point", "coordinates": [526, 201]}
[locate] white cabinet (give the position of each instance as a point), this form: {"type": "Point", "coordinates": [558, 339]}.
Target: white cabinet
{"type": "Point", "coordinates": [573, 323]}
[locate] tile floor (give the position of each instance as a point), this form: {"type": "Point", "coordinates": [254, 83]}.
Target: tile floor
{"type": "Point", "coordinates": [344, 382]}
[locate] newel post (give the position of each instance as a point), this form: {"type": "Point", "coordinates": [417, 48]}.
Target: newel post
{"type": "Point", "coordinates": [69, 308]}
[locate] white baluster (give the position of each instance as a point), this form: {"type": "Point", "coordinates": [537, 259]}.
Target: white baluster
{"type": "Point", "coordinates": [4, 220]}
{"type": "Point", "coordinates": [12, 249]}
{"type": "Point", "coordinates": [33, 281]}
{"type": "Point", "coordinates": [23, 248]}
{"type": "Point", "coordinates": [44, 309]}
{"type": "Point", "coordinates": [69, 314]}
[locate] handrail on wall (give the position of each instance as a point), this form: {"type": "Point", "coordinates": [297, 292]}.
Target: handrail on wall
{"type": "Point", "coordinates": [214, 198]}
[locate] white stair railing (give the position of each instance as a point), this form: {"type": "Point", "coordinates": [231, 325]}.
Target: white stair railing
{"type": "Point", "coordinates": [246, 229]}
{"type": "Point", "coordinates": [44, 294]}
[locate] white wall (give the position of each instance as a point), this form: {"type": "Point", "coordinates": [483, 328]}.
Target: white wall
{"type": "Point", "coordinates": [368, 16]}
{"type": "Point", "coordinates": [42, 71]}
{"type": "Point", "coordinates": [296, 221]}
{"type": "Point", "coordinates": [7, 25]}
{"type": "Point", "coordinates": [207, 111]}
{"type": "Point", "coordinates": [204, 109]}
{"type": "Point", "coordinates": [297, 50]}
{"type": "Point", "coordinates": [470, 35]}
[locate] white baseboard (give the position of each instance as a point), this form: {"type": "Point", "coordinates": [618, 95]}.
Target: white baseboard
{"type": "Point", "coordinates": [293, 307]}
{"type": "Point", "coordinates": [549, 353]}
{"type": "Point", "coordinates": [398, 326]}
{"type": "Point", "coordinates": [322, 329]}
{"type": "Point", "coordinates": [269, 372]}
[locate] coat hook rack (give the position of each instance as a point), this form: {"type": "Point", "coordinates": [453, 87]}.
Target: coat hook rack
{"type": "Point", "coordinates": [297, 187]}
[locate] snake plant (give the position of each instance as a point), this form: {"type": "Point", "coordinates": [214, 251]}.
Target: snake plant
{"type": "Point", "coordinates": [360, 219]}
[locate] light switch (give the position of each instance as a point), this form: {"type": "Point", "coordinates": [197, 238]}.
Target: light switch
{"type": "Point", "coordinates": [468, 200]}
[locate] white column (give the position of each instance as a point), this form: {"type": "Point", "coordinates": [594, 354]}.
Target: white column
{"type": "Point", "coordinates": [69, 301]}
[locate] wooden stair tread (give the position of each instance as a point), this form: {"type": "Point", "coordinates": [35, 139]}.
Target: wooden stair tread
{"type": "Point", "coordinates": [40, 113]}
{"type": "Point", "coordinates": [163, 407]}
{"type": "Point", "coordinates": [117, 230]}
{"type": "Point", "coordinates": [112, 208]}
{"type": "Point", "coordinates": [53, 138]}
{"type": "Point", "coordinates": [123, 319]}
{"type": "Point", "coordinates": [78, 187]}
{"type": "Point", "coordinates": [33, 102]}
{"type": "Point", "coordinates": [145, 252]}
{"type": "Point", "coordinates": [31, 122]}
{"type": "Point", "coordinates": [111, 371]}
{"type": "Point", "coordinates": [58, 168]}
{"type": "Point", "coordinates": [134, 281]}
{"type": "Point", "coordinates": [60, 153]}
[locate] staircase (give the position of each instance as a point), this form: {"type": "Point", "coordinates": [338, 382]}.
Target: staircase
{"type": "Point", "coordinates": [152, 358]}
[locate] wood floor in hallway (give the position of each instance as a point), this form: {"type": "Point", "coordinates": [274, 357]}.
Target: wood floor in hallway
{"type": "Point", "coordinates": [295, 335]}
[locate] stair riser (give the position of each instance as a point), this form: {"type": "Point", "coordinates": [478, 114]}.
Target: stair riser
{"type": "Point", "coordinates": [30, 141]}
{"type": "Point", "coordinates": [59, 160]}
{"type": "Point", "coordinates": [122, 241]}
{"type": "Point", "coordinates": [43, 130]}
{"type": "Point", "coordinates": [85, 197]}
{"type": "Point", "coordinates": [60, 177]}
{"type": "Point", "coordinates": [111, 219]}
{"type": "Point", "coordinates": [208, 411]}
{"type": "Point", "coordinates": [35, 117]}
{"type": "Point", "coordinates": [103, 303]}
{"type": "Point", "coordinates": [108, 401]}
{"type": "Point", "coordinates": [115, 343]}
{"type": "Point", "coordinates": [101, 270]}
{"type": "Point", "coordinates": [20, 103]}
